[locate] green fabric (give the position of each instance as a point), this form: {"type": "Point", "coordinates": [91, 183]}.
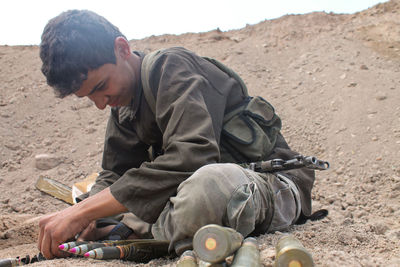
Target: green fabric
{"type": "Point", "coordinates": [192, 98]}
{"type": "Point", "coordinates": [250, 131]}
{"type": "Point", "coordinates": [223, 194]}
{"type": "Point", "coordinates": [151, 58]}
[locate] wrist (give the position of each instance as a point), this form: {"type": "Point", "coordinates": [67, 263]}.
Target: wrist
{"type": "Point", "coordinates": [100, 205]}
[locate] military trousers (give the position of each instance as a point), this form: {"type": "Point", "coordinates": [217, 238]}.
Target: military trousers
{"type": "Point", "coordinates": [224, 194]}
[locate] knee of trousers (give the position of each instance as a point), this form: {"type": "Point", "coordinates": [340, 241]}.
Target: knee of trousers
{"type": "Point", "coordinates": [216, 193]}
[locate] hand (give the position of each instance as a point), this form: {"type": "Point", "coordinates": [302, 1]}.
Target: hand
{"type": "Point", "coordinates": [58, 228]}
{"type": "Point", "coordinates": [92, 233]}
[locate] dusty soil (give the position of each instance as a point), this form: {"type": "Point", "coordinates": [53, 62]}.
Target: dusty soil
{"type": "Point", "coordinates": [334, 80]}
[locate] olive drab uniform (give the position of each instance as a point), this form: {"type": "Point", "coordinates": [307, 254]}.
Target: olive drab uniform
{"type": "Point", "coordinates": [197, 118]}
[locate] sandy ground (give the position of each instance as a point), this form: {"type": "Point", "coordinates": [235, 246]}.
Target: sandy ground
{"type": "Point", "coordinates": [334, 80]}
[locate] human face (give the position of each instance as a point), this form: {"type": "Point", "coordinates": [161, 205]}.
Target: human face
{"type": "Point", "coordinates": [110, 84]}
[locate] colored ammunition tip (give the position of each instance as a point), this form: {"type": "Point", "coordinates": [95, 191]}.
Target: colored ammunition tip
{"type": "Point", "coordinates": [295, 263]}
{"type": "Point", "coordinates": [72, 250]}
{"type": "Point", "coordinates": [61, 247]}
{"type": "Point", "coordinates": [211, 243]}
{"type": "Point", "coordinates": [87, 254]}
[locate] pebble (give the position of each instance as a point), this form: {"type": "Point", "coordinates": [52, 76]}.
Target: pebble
{"type": "Point", "coordinates": [90, 130]}
{"type": "Point", "coordinates": [352, 85]}
{"type": "Point", "coordinates": [13, 147]}
{"type": "Point", "coordinates": [364, 67]}
{"type": "Point", "coordinates": [380, 96]}
{"type": "Point", "coordinates": [339, 170]}
{"type": "Point", "coordinates": [15, 208]}
{"type": "Point", "coordinates": [380, 228]}
{"type": "Point", "coordinates": [46, 161]}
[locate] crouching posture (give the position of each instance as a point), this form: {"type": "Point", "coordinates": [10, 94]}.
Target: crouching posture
{"type": "Point", "coordinates": [181, 131]}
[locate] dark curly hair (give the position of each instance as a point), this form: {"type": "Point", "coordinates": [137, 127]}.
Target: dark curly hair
{"type": "Point", "coordinates": [73, 43]}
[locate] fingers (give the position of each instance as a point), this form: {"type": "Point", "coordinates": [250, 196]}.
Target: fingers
{"type": "Point", "coordinates": [87, 234]}
{"type": "Point", "coordinates": [50, 246]}
{"type": "Point", "coordinates": [40, 237]}
{"type": "Point", "coordinates": [47, 240]}
{"type": "Point", "coordinates": [46, 247]}
{"type": "Point", "coordinates": [42, 223]}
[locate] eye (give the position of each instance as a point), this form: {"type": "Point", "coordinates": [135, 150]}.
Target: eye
{"type": "Point", "coordinates": [99, 87]}
{"type": "Point", "coordinates": [102, 86]}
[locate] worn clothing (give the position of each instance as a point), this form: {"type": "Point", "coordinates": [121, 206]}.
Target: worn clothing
{"type": "Point", "coordinates": [226, 194]}
{"type": "Point", "coordinates": [192, 97]}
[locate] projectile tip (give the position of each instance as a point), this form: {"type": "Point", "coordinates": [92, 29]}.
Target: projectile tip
{"type": "Point", "coordinates": [87, 255]}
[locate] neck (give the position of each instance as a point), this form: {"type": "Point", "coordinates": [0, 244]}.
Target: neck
{"type": "Point", "coordinates": [135, 62]}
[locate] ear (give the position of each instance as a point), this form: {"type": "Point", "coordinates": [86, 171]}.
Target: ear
{"type": "Point", "coordinates": [121, 48]}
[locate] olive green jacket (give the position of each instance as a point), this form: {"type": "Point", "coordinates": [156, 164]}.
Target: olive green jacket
{"type": "Point", "coordinates": [192, 97]}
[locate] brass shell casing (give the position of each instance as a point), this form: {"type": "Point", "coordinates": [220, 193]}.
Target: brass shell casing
{"type": "Point", "coordinates": [188, 259]}
{"type": "Point", "coordinates": [291, 253]}
{"type": "Point", "coordinates": [213, 243]}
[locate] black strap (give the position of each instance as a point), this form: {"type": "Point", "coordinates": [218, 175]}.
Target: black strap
{"type": "Point", "coordinates": [316, 216]}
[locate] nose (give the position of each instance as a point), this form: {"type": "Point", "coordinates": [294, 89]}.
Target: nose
{"type": "Point", "coordinates": [99, 101]}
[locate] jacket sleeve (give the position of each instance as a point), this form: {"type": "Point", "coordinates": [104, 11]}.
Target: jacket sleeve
{"type": "Point", "coordinates": [122, 151]}
{"type": "Point", "coordinates": [188, 137]}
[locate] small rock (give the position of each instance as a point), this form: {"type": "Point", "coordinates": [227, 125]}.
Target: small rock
{"type": "Point", "coordinates": [12, 168]}
{"type": "Point", "coordinates": [90, 130]}
{"type": "Point", "coordinates": [339, 170]}
{"type": "Point", "coordinates": [352, 85]}
{"type": "Point", "coordinates": [5, 115]}
{"type": "Point", "coordinates": [13, 147]}
{"type": "Point", "coordinates": [380, 96]}
{"type": "Point", "coordinates": [46, 161]}
{"type": "Point", "coordinates": [15, 208]}
{"type": "Point", "coordinates": [363, 67]}
{"type": "Point", "coordinates": [346, 238]}
{"type": "Point", "coordinates": [4, 236]}
{"type": "Point", "coordinates": [47, 142]}
{"type": "Point", "coordinates": [380, 228]}
{"type": "Point", "coordinates": [375, 138]}
{"type": "Point", "coordinates": [343, 76]}
{"type": "Point", "coordinates": [348, 221]}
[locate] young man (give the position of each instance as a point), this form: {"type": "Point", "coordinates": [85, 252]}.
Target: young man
{"type": "Point", "coordinates": [193, 178]}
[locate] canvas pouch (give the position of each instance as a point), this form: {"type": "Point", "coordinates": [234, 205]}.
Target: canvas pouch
{"type": "Point", "coordinates": [250, 131]}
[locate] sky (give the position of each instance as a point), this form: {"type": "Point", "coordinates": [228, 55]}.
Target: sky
{"type": "Point", "coordinates": [22, 21]}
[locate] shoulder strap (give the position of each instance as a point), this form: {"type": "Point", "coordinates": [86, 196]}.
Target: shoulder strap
{"type": "Point", "coordinates": [230, 72]}
{"type": "Point", "coordinates": [147, 64]}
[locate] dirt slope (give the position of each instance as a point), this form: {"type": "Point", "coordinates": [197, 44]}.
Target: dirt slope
{"type": "Point", "coordinates": [333, 79]}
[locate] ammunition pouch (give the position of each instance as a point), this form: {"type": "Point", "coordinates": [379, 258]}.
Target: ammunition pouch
{"type": "Point", "coordinates": [249, 131]}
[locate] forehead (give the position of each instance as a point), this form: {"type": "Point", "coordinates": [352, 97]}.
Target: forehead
{"type": "Point", "coordinates": [94, 78]}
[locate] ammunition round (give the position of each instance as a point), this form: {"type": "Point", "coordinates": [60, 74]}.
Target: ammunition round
{"type": "Point", "coordinates": [105, 253]}
{"type": "Point", "coordinates": [291, 253]}
{"type": "Point", "coordinates": [69, 245]}
{"type": "Point", "coordinates": [9, 262]}
{"type": "Point", "coordinates": [213, 243]}
{"type": "Point", "coordinates": [188, 259]}
{"type": "Point", "coordinates": [248, 254]}
{"type": "Point", "coordinates": [82, 249]}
